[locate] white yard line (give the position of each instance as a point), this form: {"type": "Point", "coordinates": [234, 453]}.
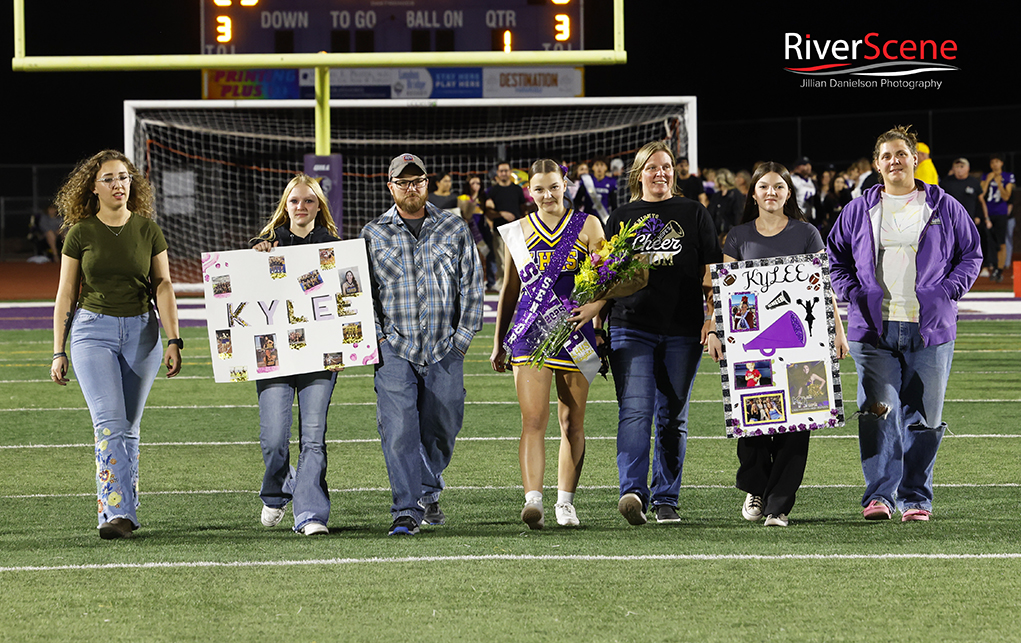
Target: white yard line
{"type": "Point", "coordinates": [549, 438]}
{"type": "Point", "coordinates": [26, 409]}
{"type": "Point", "coordinates": [213, 492]}
{"type": "Point", "coordinates": [508, 557]}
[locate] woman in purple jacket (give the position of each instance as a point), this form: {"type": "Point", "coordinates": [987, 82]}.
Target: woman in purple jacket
{"type": "Point", "coordinates": [902, 255]}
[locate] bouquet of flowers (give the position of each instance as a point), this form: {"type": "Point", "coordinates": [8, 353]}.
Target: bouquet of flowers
{"type": "Point", "coordinates": [614, 270]}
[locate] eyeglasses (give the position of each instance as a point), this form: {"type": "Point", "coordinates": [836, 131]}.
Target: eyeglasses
{"type": "Point", "coordinates": [403, 185]}
{"type": "Point", "coordinates": [110, 180]}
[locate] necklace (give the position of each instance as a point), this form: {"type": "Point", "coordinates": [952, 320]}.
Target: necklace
{"type": "Point", "coordinates": [118, 233]}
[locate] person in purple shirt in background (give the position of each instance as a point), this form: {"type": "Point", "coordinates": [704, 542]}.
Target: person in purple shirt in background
{"type": "Point", "coordinates": [902, 255]}
{"type": "Point", "coordinates": [597, 192]}
{"type": "Point", "coordinates": [997, 187]}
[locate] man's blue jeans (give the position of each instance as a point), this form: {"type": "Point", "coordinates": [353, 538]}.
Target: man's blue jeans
{"type": "Point", "coordinates": [653, 375]}
{"type": "Point", "coordinates": [419, 412]}
{"type": "Point", "coordinates": [115, 362]}
{"type": "Point", "coordinates": [305, 486]}
{"type": "Point", "coordinates": [901, 386]}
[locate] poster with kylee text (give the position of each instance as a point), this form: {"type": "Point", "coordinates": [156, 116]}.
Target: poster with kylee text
{"type": "Point", "coordinates": [295, 309]}
{"type": "Point", "coordinates": [775, 320]}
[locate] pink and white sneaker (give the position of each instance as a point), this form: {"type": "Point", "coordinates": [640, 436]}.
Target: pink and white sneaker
{"type": "Point", "coordinates": [877, 511]}
{"type": "Point", "coordinates": [915, 514]}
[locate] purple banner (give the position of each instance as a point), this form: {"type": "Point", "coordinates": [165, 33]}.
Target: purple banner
{"type": "Point", "coordinates": [330, 168]}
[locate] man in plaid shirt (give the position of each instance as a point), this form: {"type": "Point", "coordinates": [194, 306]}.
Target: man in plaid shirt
{"type": "Point", "coordinates": [427, 293]}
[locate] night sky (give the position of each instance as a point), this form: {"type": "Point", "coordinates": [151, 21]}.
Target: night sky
{"type": "Point", "coordinates": [729, 55]}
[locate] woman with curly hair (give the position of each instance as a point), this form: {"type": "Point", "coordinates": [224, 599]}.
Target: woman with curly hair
{"type": "Point", "coordinates": [115, 265]}
{"type": "Point", "coordinates": [301, 217]}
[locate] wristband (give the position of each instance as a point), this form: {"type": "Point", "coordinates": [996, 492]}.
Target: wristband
{"type": "Point", "coordinates": [61, 354]}
{"type": "Point", "coordinates": [179, 343]}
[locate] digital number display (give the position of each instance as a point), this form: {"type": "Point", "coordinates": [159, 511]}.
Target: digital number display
{"type": "Point", "coordinates": [366, 26]}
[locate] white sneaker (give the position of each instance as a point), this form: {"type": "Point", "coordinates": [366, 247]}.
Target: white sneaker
{"type": "Point", "coordinates": [778, 520]}
{"type": "Point", "coordinates": [630, 506]}
{"type": "Point", "coordinates": [271, 516]}
{"type": "Point", "coordinates": [314, 528]}
{"type": "Point", "coordinates": [566, 515]}
{"type": "Point", "coordinates": [532, 514]}
{"type": "Point", "coordinates": [752, 508]}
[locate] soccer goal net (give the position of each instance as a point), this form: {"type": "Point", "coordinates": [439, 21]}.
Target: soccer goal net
{"type": "Point", "coordinates": [218, 167]}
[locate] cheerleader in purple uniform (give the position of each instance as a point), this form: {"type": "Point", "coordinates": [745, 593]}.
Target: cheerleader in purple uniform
{"type": "Point", "coordinates": [553, 235]}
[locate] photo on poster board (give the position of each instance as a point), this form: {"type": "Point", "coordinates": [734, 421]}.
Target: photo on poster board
{"type": "Point", "coordinates": [779, 369]}
{"type": "Point", "coordinates": [288, 311]}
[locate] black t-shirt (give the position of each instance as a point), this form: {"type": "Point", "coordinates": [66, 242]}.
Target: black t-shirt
{"type": "Point", "coordinates": [448, 202]}
{"type": "Point", "coordinates": [966, 191]}
{"type": "Point", "coordinates": [506, 198]}
{"type": "Point", "coordinates": [284, 235]}
{"type": "Point", "coordinates": [673, 301]}
{"type": "Point", "coordinates": [691, 187]}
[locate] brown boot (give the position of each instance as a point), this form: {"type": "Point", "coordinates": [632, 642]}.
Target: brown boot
{"type": "Point", "coordinates": [116, 528]}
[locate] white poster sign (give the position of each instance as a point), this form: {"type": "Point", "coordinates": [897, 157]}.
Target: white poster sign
{"type": "Point", "coordinates": [780, 373]}
{"type": "Point", "coordinates": [296, 309]}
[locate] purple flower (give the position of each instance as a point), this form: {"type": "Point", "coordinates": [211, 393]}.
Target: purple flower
{"type": "Point", "coordinates": [606, 274]}
{"type": "Point", "coordinates": [738, 432]}
{"type": "Point", "coordinates": [802, 426]}
{"type": "Point", "coordinates": [772, 430]}
{"type": "Point", "coordinates": [816, 261]}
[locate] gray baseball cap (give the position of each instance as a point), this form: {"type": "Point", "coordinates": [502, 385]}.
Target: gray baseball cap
{"type": "Point", "coordinates": [402, 161]}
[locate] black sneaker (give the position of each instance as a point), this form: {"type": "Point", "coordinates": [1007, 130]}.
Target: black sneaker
{"type": "Point", "coordinates": [433, 514]}
{"type": "Point", "coordinates": [404, 526]}
{"type": "Point", "coordinates": [666, 513]}
{"type": "Point", "coordinates": [997, 275]}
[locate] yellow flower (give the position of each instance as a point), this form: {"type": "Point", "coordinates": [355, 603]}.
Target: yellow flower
{"type": "Point", "coordinates": [103, 445]}
{"type": "Point", "coordinates": [114, 499]}
{"type": "Point", "coordinates": [106, 431]}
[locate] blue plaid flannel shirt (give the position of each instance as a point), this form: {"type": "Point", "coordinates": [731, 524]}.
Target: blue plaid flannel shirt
{"type": "Point", "coordinates": [427, 292]}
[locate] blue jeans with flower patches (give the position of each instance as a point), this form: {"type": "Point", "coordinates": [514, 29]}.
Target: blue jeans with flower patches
{"type": "Point", "coordinates": [901, 386]}
{"type": "Point", "coordinates": [115, 361]}
{"type": "Point", "coordinates": [305, 486]}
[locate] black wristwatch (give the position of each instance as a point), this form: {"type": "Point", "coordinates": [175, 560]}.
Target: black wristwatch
{"type": "Point", "coordinates": [179, 343]}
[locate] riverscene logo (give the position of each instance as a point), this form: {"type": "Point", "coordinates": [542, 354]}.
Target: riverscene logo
{"type": "Point", "coordinates": [872, 61]}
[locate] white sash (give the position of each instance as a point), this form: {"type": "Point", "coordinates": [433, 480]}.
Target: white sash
{"type": "Point", "coordinates": [580, 350]}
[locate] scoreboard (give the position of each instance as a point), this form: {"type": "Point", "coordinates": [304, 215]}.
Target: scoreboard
{"type": "Point", "coordinates": [367, 26]}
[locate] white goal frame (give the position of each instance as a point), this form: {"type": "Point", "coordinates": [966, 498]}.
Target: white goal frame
{"type": "Point", "coordinates": [686, 108]}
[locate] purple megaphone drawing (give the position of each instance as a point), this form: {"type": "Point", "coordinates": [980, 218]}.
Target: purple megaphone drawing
{"type": "Point", "coordinates": [786, 332]}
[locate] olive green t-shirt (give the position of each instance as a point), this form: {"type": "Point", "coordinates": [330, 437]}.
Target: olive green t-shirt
{"type": "Point", "coordinates": [115, 268]}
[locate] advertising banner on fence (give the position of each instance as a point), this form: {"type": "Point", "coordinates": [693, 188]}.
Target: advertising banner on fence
{"type": "Point", "coordinates": [780, 373]}
{"type": "Point", "coordinates": [296, 309]}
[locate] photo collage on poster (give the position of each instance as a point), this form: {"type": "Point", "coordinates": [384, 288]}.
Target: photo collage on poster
{"type": "Point", "coordinates": [779, 370]}
{"type": "Point", "coordinates": [300, 309]}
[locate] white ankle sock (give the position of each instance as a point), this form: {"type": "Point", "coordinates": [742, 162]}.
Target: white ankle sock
{"type": "Point", "coordinates": [533, 495]}
{"type": "Point", "coordinates": [565, 497]}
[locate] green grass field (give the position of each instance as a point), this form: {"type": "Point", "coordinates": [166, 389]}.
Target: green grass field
{"type": "Point", "coordinates": [203, 568]}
